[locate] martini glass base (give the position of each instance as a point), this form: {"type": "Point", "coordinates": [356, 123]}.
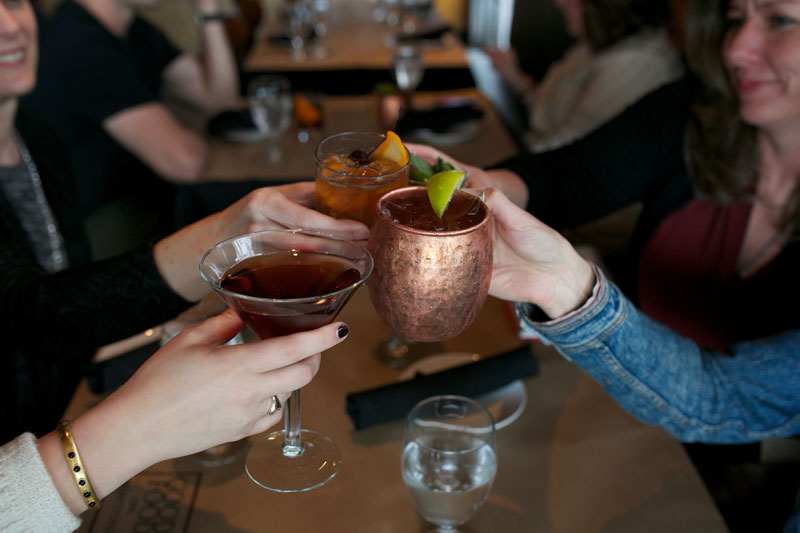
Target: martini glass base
{"type": "Point", "coordinates": [270, 468]}
{"type": "Point", "coordinates": [399, 352]}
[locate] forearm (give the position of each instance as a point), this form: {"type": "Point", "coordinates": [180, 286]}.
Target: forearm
{"type": "Point", "coordinates": [219, 62]}
{"type": "Point", "coordinates": [177, 256]}
{"type": "Point", "coordinates": [118, 297]}
{"type": "Point", "coordinates": [666, 380]}
{"type": "Point", "coordinates": [107, 441]}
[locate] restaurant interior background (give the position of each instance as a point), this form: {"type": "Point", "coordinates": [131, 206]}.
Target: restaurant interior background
{"type": "Point", "coordinates": [533, 27]}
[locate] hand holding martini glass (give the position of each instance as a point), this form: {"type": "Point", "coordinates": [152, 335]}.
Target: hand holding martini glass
{"type": "Point", "coordinates": [283, 282]}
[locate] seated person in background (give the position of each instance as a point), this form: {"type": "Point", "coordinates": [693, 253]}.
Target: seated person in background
{"type": "Point", "coordinates": [660, 377]}
{"type": "Point", "coordinates": [104, 75]}
{"type": "Point", "coordinates": [58, 307]}
{"type": "Point", "coordinates": [191, 395]}
{"type": "Point", "coordinates": [715, 254]}
{"type": "Point", "coordinates": [623, 51]}
{"type": "Point", "coordinates": [714, 164]}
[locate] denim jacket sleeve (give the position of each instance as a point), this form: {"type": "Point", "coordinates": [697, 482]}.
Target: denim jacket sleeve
{"type": "Point", "coordinates": [749, 394]}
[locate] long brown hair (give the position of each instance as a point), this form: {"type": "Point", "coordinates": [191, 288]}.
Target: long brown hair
{"type": "Point", "coordinates": [721, 150]}
{"type": "Point", "coordinates": [607, 21]}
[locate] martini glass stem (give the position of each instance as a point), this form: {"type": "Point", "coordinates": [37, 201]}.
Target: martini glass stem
{"type": "Point", "coordinates": [292, 444]}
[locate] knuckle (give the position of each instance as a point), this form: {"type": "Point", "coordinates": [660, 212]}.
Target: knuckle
{"type": "Point", "coordinates": [308, 369]}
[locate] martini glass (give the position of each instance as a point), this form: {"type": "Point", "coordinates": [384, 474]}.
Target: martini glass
{"type": "Point", "coordinates": [283, 282]}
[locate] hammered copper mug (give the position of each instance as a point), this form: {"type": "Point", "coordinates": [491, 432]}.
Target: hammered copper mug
{"type": "Point", "coordinates": [429, 285]}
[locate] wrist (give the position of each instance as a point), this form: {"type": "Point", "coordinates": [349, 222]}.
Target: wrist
{"type": "Point", "coordinates": [572, 291]}
{"type": "Point", "coordinates": [108, 438]}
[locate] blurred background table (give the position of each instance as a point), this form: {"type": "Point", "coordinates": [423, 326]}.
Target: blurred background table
{"type": "Point", "coordinates": [359, 55]}
{"type": "Point", "coordinates": [240, 161]}
{"type": "Point", "coordinates": [236, 168]}
{"type": "Point", "coordinates": [573, 460]}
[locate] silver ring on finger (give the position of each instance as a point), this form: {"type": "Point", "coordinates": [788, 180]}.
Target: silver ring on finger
{"type": "Point", "coordinates": [274, 405]}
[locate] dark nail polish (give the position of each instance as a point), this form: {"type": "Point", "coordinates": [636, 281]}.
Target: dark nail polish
{"type": "Point", "coordinates": [342, 331]}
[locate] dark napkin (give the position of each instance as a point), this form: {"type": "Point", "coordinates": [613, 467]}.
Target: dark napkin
{"type": "Point", "coordinates": [439, 119]}
{"type": "Point", "coordinates": [230, 121]}
{"type": "Point", "coordinates": [390, 402]}
{"type": "Point", "coordinates": [426, 34]}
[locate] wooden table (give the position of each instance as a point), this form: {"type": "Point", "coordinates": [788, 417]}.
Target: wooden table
{"type": "Point", "coordinates": [231, 161]}
{"type": "Point", "coordinates": [360, 52]}
{"type": "Point", "coordinates": [573, 461]}
{"type": "Point", "coordinates": [354, 45]}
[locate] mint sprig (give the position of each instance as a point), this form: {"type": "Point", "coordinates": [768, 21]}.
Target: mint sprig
{"type": "Point", "coordinates": [421, 171]}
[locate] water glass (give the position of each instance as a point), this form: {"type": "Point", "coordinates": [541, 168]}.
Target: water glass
{"type": "Point", "coordinates": [449, 459]}
{"type": "Point", "coordinates": [271, 107]}
{"type": "Point", "coordinates": [301, 27]}
{"type": "Point", "coordinates": [414, 14]}
{"type": "Point", "coordinates": [321, 11]}
{"type": "Point", "coordinates": [407, 69]}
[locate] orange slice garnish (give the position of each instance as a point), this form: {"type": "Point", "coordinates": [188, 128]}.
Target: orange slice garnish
{"type": "Point", "coordinates": [392, 149]}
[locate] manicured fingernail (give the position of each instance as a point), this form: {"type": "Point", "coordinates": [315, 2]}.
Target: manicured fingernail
{"type": "Point", "coordinates": [342, 331]}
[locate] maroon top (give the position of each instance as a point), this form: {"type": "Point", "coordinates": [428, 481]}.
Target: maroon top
{"type": "Point", "coordinates": [688, 278]}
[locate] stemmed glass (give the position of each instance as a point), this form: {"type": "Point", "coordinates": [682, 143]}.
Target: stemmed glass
{"type": "Point", "coordinates": [271, 107]}
{"type": "Point", "coordinates": [407, 69]}
{"type": "Point", "coordinates": [282, 282]}
{"type": "Point", "coordinates": [449, 459]}
{"type": "Point", "coordinates": [414, 14]}
{"type": "Point", "coordinates": [392, 9]}
{"type": "Point", "coordinates": [301, 26]}
{"type": "Point", "coordinates": [320, 9]}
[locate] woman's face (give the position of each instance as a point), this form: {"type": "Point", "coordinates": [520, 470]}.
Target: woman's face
{"type": "Point", "coordinates": [761, 51]}
{"type": "Point", "coordinates": [18, 48]}
{"type": "Point", "coordinates": [573, 16]}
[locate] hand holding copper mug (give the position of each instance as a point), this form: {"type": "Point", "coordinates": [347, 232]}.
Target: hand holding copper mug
{"type": "Point", "coordinates": [431, 274]}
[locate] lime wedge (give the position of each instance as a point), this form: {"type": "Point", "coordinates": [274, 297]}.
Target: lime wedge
{"type": "Point", "coordinates": [441, 187]}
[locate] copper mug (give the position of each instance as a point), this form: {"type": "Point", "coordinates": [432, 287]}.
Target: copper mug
{"type": "Point", "coordinates": [429, 285]}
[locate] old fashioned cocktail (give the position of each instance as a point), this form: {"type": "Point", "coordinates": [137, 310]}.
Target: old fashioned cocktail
{"type": "Point", "coordinates": [354, 169]}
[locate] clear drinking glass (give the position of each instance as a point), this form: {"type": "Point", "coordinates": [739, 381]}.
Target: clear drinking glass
{"type": "Point", "coordinates": [414, 14]}
{"type": "Point", "coordinates": [282, 282]}
{"type": "Point", "coordinates": [320, 9]}
{"type": "Point", "coordinates": [301, 27]}
{"type": "Point", "coordinates": [348, 189]}
{"type": "Point", "coordinates": [271, 107]}
{"type": "Point", "coordinates": [408, 70]}
{"type": "Point", "coordinates": [449, 459]}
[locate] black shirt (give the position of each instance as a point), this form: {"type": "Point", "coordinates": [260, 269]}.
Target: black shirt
{"type": "Point", "coordinates": [51, 324]}
{"type": "Point", "coordinates": [86, 75]}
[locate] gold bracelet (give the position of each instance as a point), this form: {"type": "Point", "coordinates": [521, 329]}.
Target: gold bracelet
{"type": "Point", "coordinates": [76, 465]}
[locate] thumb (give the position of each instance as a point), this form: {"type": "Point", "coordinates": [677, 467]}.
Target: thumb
{"type": "Point", "coordinates": [220, 329]}
{"type": "Point", "coordinates": [504, 211]}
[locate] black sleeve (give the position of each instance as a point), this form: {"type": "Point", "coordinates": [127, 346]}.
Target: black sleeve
{"type": "Point", "coordinates": [621, 163]}
{"type": "Point", "coordinates": [157, 47]}
{"type": "Point", "coordinates": [89, 304]}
